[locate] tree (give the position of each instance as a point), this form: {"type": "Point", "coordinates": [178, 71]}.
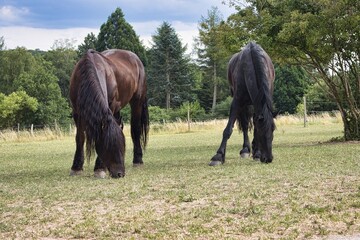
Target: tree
{"type": "Point", "coordinates": [63, 57]}
{"type": "Point", "coordinates": [169, 71]}
{"type": "Point", "coordinates": [290, 86]}
{"type": "Point", "coordinates": [324, 37]}
{"type": "Point", "coordinates": [318, 100]}
{"type": "Point", "coordinates": [16, 108]}
{"type": "Point", "coordinates": [41, 83]}
{"type": "Point", "coordinates": [211, 52]}
{"type": "Point", "coordinates": [117, 33]}
{"type": "Point", "coordinates": [2, 43]}
{"type": "Point", "coordinates": [13, 63]}
{"type": "Point", "coordinates": [90, 42]}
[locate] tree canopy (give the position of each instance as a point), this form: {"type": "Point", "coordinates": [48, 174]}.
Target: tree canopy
{"type": "Point", "coordinates": [321, 36]}
{"type": "Point", "coordinates": [170, 79]}
{"type": "Point", "coordinates": [118, 33]}
{"type": "Point", "coordinates": [212, 57]}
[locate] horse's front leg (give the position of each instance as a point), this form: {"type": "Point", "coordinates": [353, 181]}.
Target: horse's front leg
{"type": "Point", "coordinates": [244, 121]}
{"type": "Point", "coordinates": [78, 162]}
{"type": "Point", "coordinates": [100, 168]}
{"type": "Point", "coordinates": [256, 154]}
{"type": "Point", "coordinates": [219, 157]}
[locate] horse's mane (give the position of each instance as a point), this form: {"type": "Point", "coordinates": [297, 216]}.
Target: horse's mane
{"type": "Point", "coordinates": [93, 107]}
{"type": "Point", "coordinates": [263, 100]}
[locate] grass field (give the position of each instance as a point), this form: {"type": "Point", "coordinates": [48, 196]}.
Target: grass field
{"type": "Point", "coordinates": [310, 191]}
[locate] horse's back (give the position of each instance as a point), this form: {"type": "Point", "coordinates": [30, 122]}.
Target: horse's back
{"type": "Point", "coordinates": [129, 74]}
{"type": "Point", "coordinates": [243, 68]}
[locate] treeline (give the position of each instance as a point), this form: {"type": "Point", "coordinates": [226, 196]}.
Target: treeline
{"type": "Point", "coordinates": [34, 84]}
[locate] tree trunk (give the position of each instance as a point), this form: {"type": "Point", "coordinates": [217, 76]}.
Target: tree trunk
{"type": "Point", "coordinates": [167, 100]}
{"type": "Point", "coordinates": [215, 90]}
{"type": "Point", "coordinates": [168, 91]}
{"type": "Point", "coordinates": [351, 121]}
{"type": "Point", "coordinates": [346, 99]}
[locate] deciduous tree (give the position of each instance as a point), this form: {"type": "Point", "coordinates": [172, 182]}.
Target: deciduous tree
{"type": "Point", "coordinates": [63, 57]}
{"type": "Point", "coordinates": [322, 36]}
{"type": "Point", "coordinates": [18, 107]}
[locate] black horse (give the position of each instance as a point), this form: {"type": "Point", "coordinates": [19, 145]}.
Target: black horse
{"type": "Point", "coordinates": [251, 76]}
{"type": "Point", "coordinates": [102, 84]}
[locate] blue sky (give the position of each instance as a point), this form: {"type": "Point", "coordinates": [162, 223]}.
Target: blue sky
{"type": "Point", "coordinates": [38, 23]}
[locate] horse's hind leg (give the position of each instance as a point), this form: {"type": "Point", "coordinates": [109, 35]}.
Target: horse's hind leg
{"type": "Point", "coordinates": [219, 157]}
{"type": "Point", "coordinates": [78, 162]}
{"type": "Point", "coordinates": [136, 112]}
{"type": "Point", "coordinates": [244, 119]}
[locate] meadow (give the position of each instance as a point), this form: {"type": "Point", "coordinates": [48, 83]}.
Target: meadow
{"type": "Point", "coordinates": [310, 191]}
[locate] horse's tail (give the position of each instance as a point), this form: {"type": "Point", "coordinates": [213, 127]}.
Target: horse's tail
{"type": "Point", "coordinates": [93, 108]}
{"type": "Point", "coordinates": [263, 96]}
{"type": "Point", "coordinates": [145, 123]}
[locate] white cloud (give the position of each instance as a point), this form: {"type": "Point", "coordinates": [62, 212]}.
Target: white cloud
{"type": "Point", "coordinates": [43, 39]}
{"type": "Point", "coordinates": [10, 14]}
{"type": "Point", "coordinates": [40, 38]}
{"type": "Point", "coordinates": [185, 31]}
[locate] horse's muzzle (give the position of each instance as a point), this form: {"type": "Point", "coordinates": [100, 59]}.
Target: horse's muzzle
{"type": "Point", "coordinates": [117, 175]}
{"type": "Point", "coordinates": [265, 159]}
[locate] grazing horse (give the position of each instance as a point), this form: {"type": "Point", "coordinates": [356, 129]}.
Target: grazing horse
{"type": "Point", "coordinates": [251, 76]}
{"type": "Point", "coordinates": [101, 84]}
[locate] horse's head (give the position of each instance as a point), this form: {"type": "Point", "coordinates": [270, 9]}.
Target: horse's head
{"type": "Point", "coordinates": [111, 149]}
{"type": "Point", "coordinates": [265, 126]}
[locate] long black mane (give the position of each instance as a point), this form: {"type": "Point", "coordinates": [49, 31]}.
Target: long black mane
{"type": "Point", "coordinates": [100, 125]}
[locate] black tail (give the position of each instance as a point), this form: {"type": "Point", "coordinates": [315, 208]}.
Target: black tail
{"type": "Point", "coordinates": [263, 97]}
{"type": "Point", "coordinates": [263, 101]}
{"type": "Point", "coordinates": [145, 123]}
{"type": "Point", "coordinates": [93, 108]}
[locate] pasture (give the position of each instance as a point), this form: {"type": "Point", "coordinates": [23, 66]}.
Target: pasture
{"type": "Point", "coordinates": [311, 190]}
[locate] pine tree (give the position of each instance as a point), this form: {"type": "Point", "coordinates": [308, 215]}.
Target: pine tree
{"type": "Point", "coordinates": [170, 79]}
{"type": "Point", "coordinates": [90, 42]}
{"type": "Point", "coordinates": [117, 33]}
{"type": "Point", "coordinates": [211, 54]}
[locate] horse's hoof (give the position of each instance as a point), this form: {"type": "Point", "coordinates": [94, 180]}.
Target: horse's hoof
{"type": "Point", "coordinates": [100, 174]}
{"type": "Point", "coordinates": [215, 163]}
{"type": "Point", "coordinates": [75, 173]}
{"type": "Point", "coordinates": [218, 157]}
{"type": "Point", "coordinates": [245, 152]}
{"type": "Point", "coordinates": [138, 164]}
{"type": "Point", "coordinates": [244, 155]}
{"type": "Point", "coordinates": [257, 156]}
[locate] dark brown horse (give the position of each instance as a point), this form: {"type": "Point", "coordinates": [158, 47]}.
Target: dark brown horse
{"type": "Point", "coordinates": [101, 84]}
{"type": "Point", "coordinates": [251, 76]}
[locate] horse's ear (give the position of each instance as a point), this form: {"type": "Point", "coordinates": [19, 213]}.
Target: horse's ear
{"type": "Point", "coordinates": [276, 113]}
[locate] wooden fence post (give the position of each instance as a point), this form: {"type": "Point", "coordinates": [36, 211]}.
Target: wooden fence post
{"type": "Point", "coordinates": [305, 114]}
{"type": "Point", "coordinates": [188, 117]}
{"type": "Point", "coordinates": [32, 130]}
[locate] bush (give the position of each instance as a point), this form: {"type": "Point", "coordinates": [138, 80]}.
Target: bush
{"type": "Point", "coordinates": [157, 114]}
{"type": "Point", "coordinates": [223, 108]}
{"type": "Point", "coordinates": [197, 113]}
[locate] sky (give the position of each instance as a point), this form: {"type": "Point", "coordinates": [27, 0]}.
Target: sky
{"type": "Point", "coordinates": [36, 24]}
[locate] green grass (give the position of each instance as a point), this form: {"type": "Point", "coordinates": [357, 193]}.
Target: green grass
{"type": "Point", "coordinates": [311, 189]}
